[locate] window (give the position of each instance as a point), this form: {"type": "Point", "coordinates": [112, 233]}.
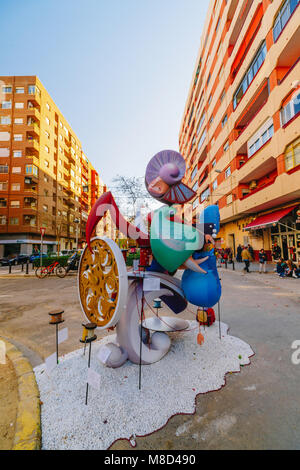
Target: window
{"type": "Point", "coordinates": [15, 204]}
{"type": "Point", "coordinates": [264, 133]}
{"type": "Point", "coordinates": [222, 95]}
{"type": "Point", "coordinates": [195, 187]}
{"type": "Point", "coordinates": [46, 163]}
{"type": "Point", "coordinates": [250, 74]}
{"type": "Point", "coordinates": [47, 134]}
{"type": "Point", "coordinates": [48, 106]}
{"type": "Point", "coordinates": [5, 120]}
{"type": "Point", "coordinates": [19, 90]}
{"type": "Point", "coordinates": [209, 99]}
{"type": "Point", "coordinates": [17, 153]}
{"type": "Point", "coordinates": [46, 179]}
{"type": "Point", "coordinates": [291, 109]}
{"type": "Point", "coordinates": [224, 120]}
{"type": "Point", "coordinates": [292, 155]}
{"type": "Point", "coordinates": [205, 195]}
{"type": "Point", "coordinates": [201, 122]}
{"type": "Point", "coordinates": [202, 139]}
{"type": "Point", "coordinates": [215, 184]}
{"type": "Point", "coordinates": [3, 169]}
{"type": "Point", "coordinates": [4, 152]}
{"type": "Point", "coordinates": [194, 172]}
{"type": "Point", "coordinates": [45, 208]}
{"type": "Point", "coordinates": [32, 89]}
{"type": "Point", "coordinates": [6, 89]}
{"type": "Point", "coordinates": [31, 170]}
{"type": "Point", "coordinates": [283, 16]}
{"type": "Point", "coordinates": [18, 137]}
{"type": "Point", "coordinates": [18, 120]}
{"type": "Point", "coordinates": [196, 203]}
{"type": "Point", "coordinates": [226, 146]}
{"type": "Point", "coordinates": [15, 187]}
{"type": "Point", "coordinates": [211, 119]}
{"type": "Point", "coordinates": [6, 104]}
{"type": "Point", "coordinates": [19, 105]}
{"type": "Point", "coordinates": [47, 121]}
{"type": "Point", "coordinates": [227, 172]}
{"type": "Point", "coordinates": [14, 220]}
{"type": "Point", "coordinates": [229, 199]}
{"type": "Point", "coordinates": [16, 169]}
{"type": "Point", "coordinates": [46, 149]}
{"type": "Point", "coordinates": [218, 24]}
{"type": "Point", "coordinates": [3, 202]}
{"type": "Point", "coordinates": [208, 80]}
{"type": "Point", "coordinates": [4, 136]}
{"type": "Point", "coordinates": [3, 186]}
{"type": "Point", "coordinates": [214, 162]}
{"type": "Point", "coordinates": [3, 219]}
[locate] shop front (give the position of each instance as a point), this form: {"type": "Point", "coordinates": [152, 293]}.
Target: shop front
{"type": "Point", "coordinates": [283, 228]}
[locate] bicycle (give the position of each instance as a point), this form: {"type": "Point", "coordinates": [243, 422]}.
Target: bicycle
{"type": "Point", "coordinates": [59, 270]}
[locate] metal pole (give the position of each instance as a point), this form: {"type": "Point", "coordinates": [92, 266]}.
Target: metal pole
{"type": "Point", "coordinates": [56, 343]}
{"type": "Point", "coordinates": [41, 253]}
{"type": "Point", "coordinates": [141, 341]}
{"type": "Point", "coordinates": [9, 268]}
{"type": "Point", "coordinates": [219, 315]}
{"type": "Point", "coordinates": [87, 384]}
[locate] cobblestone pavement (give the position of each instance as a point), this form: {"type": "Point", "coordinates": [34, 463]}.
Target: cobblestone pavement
{"type": "Point", "coordinates": [258, 409]}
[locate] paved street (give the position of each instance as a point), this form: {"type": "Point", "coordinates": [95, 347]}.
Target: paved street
{"type": "Point", "coordinates": [258, 409]}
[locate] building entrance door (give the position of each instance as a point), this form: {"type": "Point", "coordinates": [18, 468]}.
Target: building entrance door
{"type": "Point", "coordinates": [231, 242]}
{"type": "Point", "coordinates": [285, 250]}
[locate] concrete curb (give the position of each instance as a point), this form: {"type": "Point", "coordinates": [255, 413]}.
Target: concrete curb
{"type": "Point", "coordinates": [28, 421]}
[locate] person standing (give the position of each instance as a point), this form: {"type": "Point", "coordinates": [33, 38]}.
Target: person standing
{"type": "Point", "coordinates": [276, 251]}
{"type": "Point", "coordinates": [251, 251]}
{"type": "Point", "coordinates": [239, 253]}
{"type": "Point", "coordinates": [262, 257]}
{"type": "Point", "coordinates": [246, 257]}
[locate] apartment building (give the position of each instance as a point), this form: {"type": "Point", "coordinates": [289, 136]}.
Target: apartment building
{"type": "Point", "coordinates": [45, 178]}
{"type": "Point", "coordinates": [240, 133]}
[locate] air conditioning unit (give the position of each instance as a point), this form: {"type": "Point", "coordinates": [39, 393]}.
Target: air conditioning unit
{"type": "Point", "coordinates": [253, 184]}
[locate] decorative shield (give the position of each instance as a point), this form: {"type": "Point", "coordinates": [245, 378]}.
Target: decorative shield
{"type": "Point", "coordinates": [102, 283]}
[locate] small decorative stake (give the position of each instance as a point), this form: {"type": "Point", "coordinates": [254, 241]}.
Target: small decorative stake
{"type": "Point", "coordinates": [56, 319]}
{"type": "Point", "coordinates": [88, 336]}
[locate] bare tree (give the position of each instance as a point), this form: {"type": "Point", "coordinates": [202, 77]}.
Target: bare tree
{"type": "Point", "coordinates": [130, 191]}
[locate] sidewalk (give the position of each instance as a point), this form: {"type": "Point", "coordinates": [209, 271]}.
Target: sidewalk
{"type": "Point", "coordinates": [16, 272]}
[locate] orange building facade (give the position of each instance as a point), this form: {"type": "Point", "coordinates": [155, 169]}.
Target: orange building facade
{"type": "Point", "coordinates": [45, 178]}
{"type": "Point", "coordinates": [240, 133]}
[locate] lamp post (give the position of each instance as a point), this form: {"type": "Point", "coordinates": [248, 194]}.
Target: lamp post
{"type": "Point", "coordinates": [77, 222]}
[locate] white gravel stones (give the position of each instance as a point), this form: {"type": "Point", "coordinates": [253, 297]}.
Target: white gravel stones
{"type": "Point", "coordinates": [119, 409]}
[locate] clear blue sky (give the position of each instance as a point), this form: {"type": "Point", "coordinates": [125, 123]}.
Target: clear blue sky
{"type": "Point", "coordinates": [119, 70]}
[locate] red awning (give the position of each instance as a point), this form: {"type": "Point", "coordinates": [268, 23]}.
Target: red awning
{"type": "Point", "coordinates": [269, 219]}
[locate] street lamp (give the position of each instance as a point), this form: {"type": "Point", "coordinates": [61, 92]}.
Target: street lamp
{"type": "Point", "coordinates": [77, 222]}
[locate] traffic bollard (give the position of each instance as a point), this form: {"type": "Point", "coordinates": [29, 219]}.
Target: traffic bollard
{"type": "Point", "coordinates": [9, 269]}
{"type": "Point", "coordinates": [22, 267]}
{"type": "Point", "coordinates": [27, 267]}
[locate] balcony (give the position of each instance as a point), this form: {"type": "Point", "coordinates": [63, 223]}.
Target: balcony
{"type": "Point", "coordinates": [239, 23]}
{"type": "Point", "coordinates": [35, 98]}
{"type": "Point", "coordinates": [288, 58]}
{"type": "Point", "coordinates": [33, 145]}
{"type": "Point", "coordinates": [33, 111]}
{"type": "Point", "coordinates": [252, 109]}
{"type": "Point", "coordinates": [33, 130]}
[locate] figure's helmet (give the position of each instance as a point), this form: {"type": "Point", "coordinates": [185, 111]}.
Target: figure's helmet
{"type": "Point", "coordinates": [163, 178]}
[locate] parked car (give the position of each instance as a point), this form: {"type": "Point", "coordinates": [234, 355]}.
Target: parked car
{"type": "Point", "coordinates": [14, 260]}
{"type": "Point", "coordinates": [37, 256]}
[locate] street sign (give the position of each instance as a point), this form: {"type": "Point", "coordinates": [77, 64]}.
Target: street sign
{"type": "Point", "coordinates": [43, 231]}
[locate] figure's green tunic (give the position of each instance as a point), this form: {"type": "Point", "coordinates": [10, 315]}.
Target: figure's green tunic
{"type": "Point", "coordinates": [172, 243]}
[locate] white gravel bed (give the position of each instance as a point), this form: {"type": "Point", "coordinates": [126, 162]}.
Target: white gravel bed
{"type": "Point", "coordinates": [119, 409]}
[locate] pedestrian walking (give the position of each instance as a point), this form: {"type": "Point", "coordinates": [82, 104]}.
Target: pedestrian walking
{"type": "Point", "coordinates": [262, 258]}
{"type": "Point", "coordinates": [246, 257]}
